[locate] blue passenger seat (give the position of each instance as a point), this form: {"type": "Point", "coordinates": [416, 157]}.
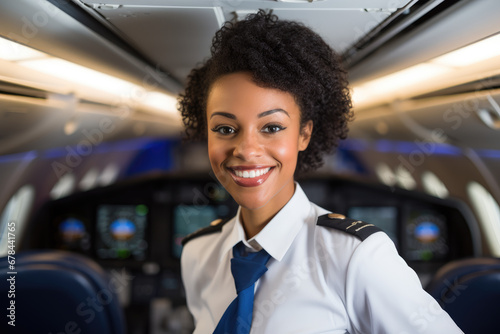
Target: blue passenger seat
{"type": "Point", "coordinates": [60, 292]}
{"type": "Point", "coordinates": [469, 290]}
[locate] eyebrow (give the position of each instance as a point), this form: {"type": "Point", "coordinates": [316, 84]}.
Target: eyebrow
{"type": "Point", "coordinates": [224, 114]}
{"type": "Point", "coordinates": [272, 111]}
{"type": "Point", "coordinates": [262, 114]}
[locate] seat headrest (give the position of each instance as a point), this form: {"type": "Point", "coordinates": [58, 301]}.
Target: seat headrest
{"type": "Point", "coordinates": [469, 290]}
{"type": "Point", "coordinates": [60, 292]}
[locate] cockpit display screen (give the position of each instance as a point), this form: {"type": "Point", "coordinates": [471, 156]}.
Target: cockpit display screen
{"type": "Point", "coordinates": [189, 218]}
{"type": "Point", "coordinates": [384, 217]}
{"type": "Point", "coordinates": [426, 237]}
{"type": "Point", "coordinates": [121, 232]}
{"type": "Point", "coordinates": [72, 234]}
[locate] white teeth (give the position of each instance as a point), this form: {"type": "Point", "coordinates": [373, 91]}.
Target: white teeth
{"type": "Point", "coordinates": [252, 173]}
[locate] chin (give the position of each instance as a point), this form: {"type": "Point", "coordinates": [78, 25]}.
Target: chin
{"type": "Point", "coordinates": [250, 204]}
{"type": "Point", "coordinates": [250, 199]}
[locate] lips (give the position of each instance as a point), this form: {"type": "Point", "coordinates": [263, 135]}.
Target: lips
{"type": "Point", "coordinates": [247, 176]}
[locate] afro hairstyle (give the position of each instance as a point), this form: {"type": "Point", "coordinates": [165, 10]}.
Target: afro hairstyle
{"type": "Point", "coordinates": [282, 55]}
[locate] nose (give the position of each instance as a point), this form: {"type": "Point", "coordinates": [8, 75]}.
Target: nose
{"type": "Point", "coordinates": [247, 146]}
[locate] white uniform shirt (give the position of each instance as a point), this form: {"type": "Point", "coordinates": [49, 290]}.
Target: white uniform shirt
{"type": "Point", "coordinates": [319, 279]}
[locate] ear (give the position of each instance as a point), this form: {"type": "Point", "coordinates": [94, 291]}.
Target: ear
{"type": "Point", "coordinates": [305, 135]}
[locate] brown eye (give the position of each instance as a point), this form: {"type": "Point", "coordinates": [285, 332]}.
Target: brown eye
{"type": "Point", "coordinates": [224, 130]}
{"type": "Point", "coordinates": [273, 128]}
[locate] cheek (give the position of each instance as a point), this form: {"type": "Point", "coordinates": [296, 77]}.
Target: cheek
{"type": "Point", "coordinates": [216, 153]}
{"type": "Point", "coordinates": [213, 155]}
{"type": "Point", "coordinates": [212, 152]}
{"type": "Point", "coordinates": [287, 153]}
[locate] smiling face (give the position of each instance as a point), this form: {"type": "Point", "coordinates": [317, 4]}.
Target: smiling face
{"type": "Point", "coordinates": [254, 137]}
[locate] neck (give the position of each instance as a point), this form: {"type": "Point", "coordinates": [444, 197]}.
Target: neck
{"type": "Point", "coordinates": [254, 220]}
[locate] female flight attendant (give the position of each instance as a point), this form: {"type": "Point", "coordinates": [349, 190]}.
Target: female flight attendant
{"type": "Point", "coordinates": [271, 100]}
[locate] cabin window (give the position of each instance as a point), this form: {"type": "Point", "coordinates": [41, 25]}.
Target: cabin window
{"type": "Point", "coordinates": [488, 213]}
{"type": "Point", "coordinates": [90, 179]}
{"type": "Point", "coordinates": [109, 175]}
{"type": "Point", "coordinates": [405, 179]}
{"type": "Point", "coordinates": [14, 217]}
{"type": "Point", "coordinates": [433, 185]}
{"type": "Point", "coordinates": [385, 174]}
{"type": "Point", "coordinates": [63, 187]}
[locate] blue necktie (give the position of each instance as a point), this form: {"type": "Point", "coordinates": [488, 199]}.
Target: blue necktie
{"type": "Point", "coordinates": [247, 268]}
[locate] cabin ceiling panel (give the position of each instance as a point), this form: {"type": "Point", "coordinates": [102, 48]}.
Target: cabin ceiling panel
{"type": "Point", "coordinates": [339, 28]}
{"type": "Point", "coordinates": [42, 26]}
{"type": "Point", "coordinates": [465, 23]}
{"type": "Point", "coordinates": [176, 35]}
{"type": "Point", "coordinates": [174, 38]}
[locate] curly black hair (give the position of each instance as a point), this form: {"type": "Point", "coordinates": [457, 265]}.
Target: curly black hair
{"type": "Point", "coordinates": [283, 55]}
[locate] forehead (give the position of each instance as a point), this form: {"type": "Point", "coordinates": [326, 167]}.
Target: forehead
{"type": "Point", "coordinates": [238, 92]}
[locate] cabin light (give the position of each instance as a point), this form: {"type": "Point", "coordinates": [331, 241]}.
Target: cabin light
{"type": "Point", "coordinates": [160, 102]}
{"type": "Point", "coordinates": [12, 51]}
{"type": "Point", "coordinates": [471, 54]}
{"type": "Point", "coordinates": [403, 82]}
{"type": "Point", "coordinates": [397, 81]}
{"type": "Point", "coordinates": [81, 75]}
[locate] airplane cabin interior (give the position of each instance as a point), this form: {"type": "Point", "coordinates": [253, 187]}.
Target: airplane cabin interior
{"type": "Point", "coordinates": [94, 172]}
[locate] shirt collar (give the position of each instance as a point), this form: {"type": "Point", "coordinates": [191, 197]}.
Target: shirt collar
{"type": "Point", "coordinates": [277, 236]}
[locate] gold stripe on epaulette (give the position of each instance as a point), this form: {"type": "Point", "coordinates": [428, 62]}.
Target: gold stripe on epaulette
{"type": "Point", "coordinates": [216, 222]}
{"type": "Point", "coordinates": [336, 216]}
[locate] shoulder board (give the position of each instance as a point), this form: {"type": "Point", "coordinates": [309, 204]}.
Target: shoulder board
{"type": "Point", "coordinates": [355, 227]}
{"type": "Point", "coordinates": [215, 226]}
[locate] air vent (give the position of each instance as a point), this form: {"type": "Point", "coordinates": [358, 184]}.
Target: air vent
{"type": "Point", "coordinates": [406, 19]}
{"type": "Point", "coordinates": [9, 88]}
{"type": "Point", "coordinates": [484, 84]}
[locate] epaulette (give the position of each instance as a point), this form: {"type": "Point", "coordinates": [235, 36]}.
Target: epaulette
{"type": "Point", "coordinates": [215, 226]}
{"type": "Point", "coordinates": [355, 227]}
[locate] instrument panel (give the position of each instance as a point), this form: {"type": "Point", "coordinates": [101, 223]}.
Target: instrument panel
{"type": "Point", "coordinates": [122, 232]}
{"type": "Point", "coordinates": [427, 236]}
{"type": "Point", "coordinates": [145, 220]}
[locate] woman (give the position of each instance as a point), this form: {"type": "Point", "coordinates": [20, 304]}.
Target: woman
{"type": "Point", "coordinates": [271, 100]}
